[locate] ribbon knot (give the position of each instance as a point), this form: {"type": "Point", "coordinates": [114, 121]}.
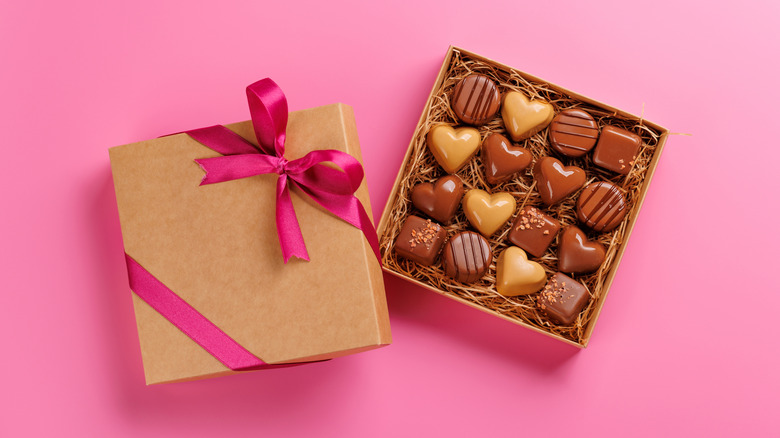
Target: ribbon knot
{"type": "Point", "coordinates": [281, 166]}
{"type": "Point", "coordinates": [331, 188]}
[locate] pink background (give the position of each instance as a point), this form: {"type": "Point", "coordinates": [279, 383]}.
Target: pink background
{"type": "Point", "coordinates": [686, 344]}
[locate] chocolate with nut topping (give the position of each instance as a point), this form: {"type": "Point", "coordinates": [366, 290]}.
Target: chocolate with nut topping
{"type": "Point", "coordinates": [420, 240]}
{"type": "Point", "coordinates": [562, 299]}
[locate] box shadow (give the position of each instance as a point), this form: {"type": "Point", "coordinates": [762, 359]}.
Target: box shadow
{"type": "Point", "coordinates": [477, 330]}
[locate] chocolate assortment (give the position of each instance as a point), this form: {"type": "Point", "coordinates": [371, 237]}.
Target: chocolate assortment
{"type": "Point", "coordinates": [466, 257]}
{"type": "Point", "coordinates": [549, 181]}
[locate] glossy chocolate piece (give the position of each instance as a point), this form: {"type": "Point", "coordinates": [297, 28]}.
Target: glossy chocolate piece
{"type": "Point", "coordinates": [533, 230]}
{"type": "Point", "coordinates": [486, 212]}
{"type": "Point", "coordinates": [466, 257]}
{"type": "Point", "coordinates": [573, 133]}
{"type": "Point", "coordinates": [452, 147]}
{"type": "Point", "coordinates": [562, 299]}
{"type": "Point", "coordinates": [617, 149]}
{"type": "Point", "coordinates": [439, 200]}
{"type": "Point", "coordinates": [516, 275]}
{"type": "Point", "coordinates": [601, 206]}
{"type": "Point", "coordinates": [554, 181]}
{"type": "Point", "coordinates": [475, 99]}
{"type": "Point", "coordinates": [420, 240]}
{"type": "Point", "coordinates": [501, 159]}
{"type": "Point", "coordinates": [523, 117]}
{"type": "Point", "coordinates": [577, 254]}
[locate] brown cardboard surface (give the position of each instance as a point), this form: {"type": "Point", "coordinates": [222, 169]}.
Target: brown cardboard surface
{"type": "Point", "coordinates": [393, 198]}
{"type": "Point", "coordinates": [216, 247]}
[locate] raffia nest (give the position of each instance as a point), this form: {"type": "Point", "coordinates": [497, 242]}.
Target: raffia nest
{"type": "Point", "coordinates": [422, 167]}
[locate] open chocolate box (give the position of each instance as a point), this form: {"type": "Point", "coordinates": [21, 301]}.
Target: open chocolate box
{"type": "Point", "coordinates": [420, 166]}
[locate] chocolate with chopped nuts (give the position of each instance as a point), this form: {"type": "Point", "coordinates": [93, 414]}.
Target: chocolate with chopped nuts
{"type": "Point", "coordinates": [420, 240]}
{"type": "Point", "coordinates": [562, 299]}
{"type": "Point", "coordinates": [534, 231]}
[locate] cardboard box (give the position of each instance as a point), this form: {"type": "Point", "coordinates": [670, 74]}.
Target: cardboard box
{"type": "Point", "coordinates": [416, 167]}
{"type": "Point", "coordinates": [216, 246]}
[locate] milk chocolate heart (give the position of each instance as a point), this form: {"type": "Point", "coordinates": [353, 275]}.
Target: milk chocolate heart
{"type": "Point", "coordinates": [555, 182]}
{"type": "Point", "coordinates": [486, 212]}
{"type": "Point", "coordinates": [501, 159]}
{"type": "Point", "coordinates": [577, 254]}
{"type": "Point", "coordinates": [524, 118]}
{"type": "Point", "coordinates": [452, 147]}
{"type": "Point", "coordinates": [516, 275]}
{"type": "Point", "coordinates": [440, 200]}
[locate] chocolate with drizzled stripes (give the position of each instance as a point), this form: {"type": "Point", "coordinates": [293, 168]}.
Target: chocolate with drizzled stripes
{"type": "Point", "coordinates": [601, 206]}
{"type": "Point", "coordinates": [573, 133]}
{"type": "Point", "coordinates": [476, 99]}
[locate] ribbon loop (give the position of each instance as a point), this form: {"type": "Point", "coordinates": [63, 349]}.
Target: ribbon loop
{"type": "Point", "coordinates": [332, 188]}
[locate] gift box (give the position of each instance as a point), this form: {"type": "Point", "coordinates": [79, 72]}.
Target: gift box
{"type": "Point", "coordinates": [212, 255]}
{"type": "Point", "coordinates": [420, 166]}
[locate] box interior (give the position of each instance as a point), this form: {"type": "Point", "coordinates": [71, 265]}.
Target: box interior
{"type": "Point", "coordinates": [420, 166]}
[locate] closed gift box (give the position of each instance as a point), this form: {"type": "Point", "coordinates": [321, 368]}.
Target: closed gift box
{"type": "Point", "coordinates": [216, 247]}
{"type": "Point", "coordinates": [420, 166]}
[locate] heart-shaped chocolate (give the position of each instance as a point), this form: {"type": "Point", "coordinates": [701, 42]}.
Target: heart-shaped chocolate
{"type": "Point", "coordinates": [486, 212]}
{"type": "Point", "coordinates": [501, 159]}
{"type": "Point", "coordinates": [577, 254]}
{"type": "Point", "coordinates": [523, 117]}
{"type": "Point", "coordinates": [554, 181]}
{"type": "Point", "coordinates": [516, 275]}
{"type": "Point", "coordinates": [440, 200]}
{"type": "Point", "coordinates": [452, 147]}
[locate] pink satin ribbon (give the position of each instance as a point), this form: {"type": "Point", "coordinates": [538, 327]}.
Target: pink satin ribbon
{"type": "Point", "coordinates": [191, 322]}
{"type": "Point", "coordinates": [332, 189]}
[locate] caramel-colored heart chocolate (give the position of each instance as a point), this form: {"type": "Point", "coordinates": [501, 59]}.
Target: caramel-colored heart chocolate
{"type": "Point", "coordinates": [516, 275]}
{"type": "Point", "coordinates": [554, 181]}
{"type": "Point", "coordinates": [501, 159]}
{"type": "Point", "coordinates": [577, 254]}
{"type": "Point", "coordinates": [523, 117]}
{"type": "Point", "coordinates": [452, 147]}
{"type": "Point", "coordinates": [486, 212]}
{"type": "Point", "coordinates": [440, 200]}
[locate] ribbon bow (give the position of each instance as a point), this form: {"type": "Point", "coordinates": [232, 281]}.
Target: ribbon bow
{"type": "Point", "coordinates": [331, 188]}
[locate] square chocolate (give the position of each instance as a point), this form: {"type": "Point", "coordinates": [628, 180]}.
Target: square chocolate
{"type": "Point", "coordinates": [420, 240]}
{"type": "Point", "coordinates": [534, 231]}
{"type": "Point", "coordinates": [562, 299]}
{"type": "Point", "coordinates": [617, 149]}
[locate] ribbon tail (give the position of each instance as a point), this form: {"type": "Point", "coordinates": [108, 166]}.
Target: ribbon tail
{"type": "Point", "coordinates": [349, 209]}
{"type": "Point", "coordinates": [287, 227]}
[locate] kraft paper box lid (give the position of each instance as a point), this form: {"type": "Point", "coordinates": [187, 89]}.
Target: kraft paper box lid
{"type": "Point", "coordinates": [216, 246]}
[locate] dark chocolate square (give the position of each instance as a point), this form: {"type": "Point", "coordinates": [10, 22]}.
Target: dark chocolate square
{"type": "Point", "coordinates": [534, 231]}
{"type": "Point", "coordinates": [562, 299]}
{"type": "Point", "coordinates": [420, 240]}
{"type": "Point", "coordinates": [617, 149]}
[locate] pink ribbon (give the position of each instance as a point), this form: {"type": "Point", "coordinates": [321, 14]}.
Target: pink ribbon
{"type": "Point", "coordinates": [332, 189]}
{"type": "Point", "coordinates": [193, 323]}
